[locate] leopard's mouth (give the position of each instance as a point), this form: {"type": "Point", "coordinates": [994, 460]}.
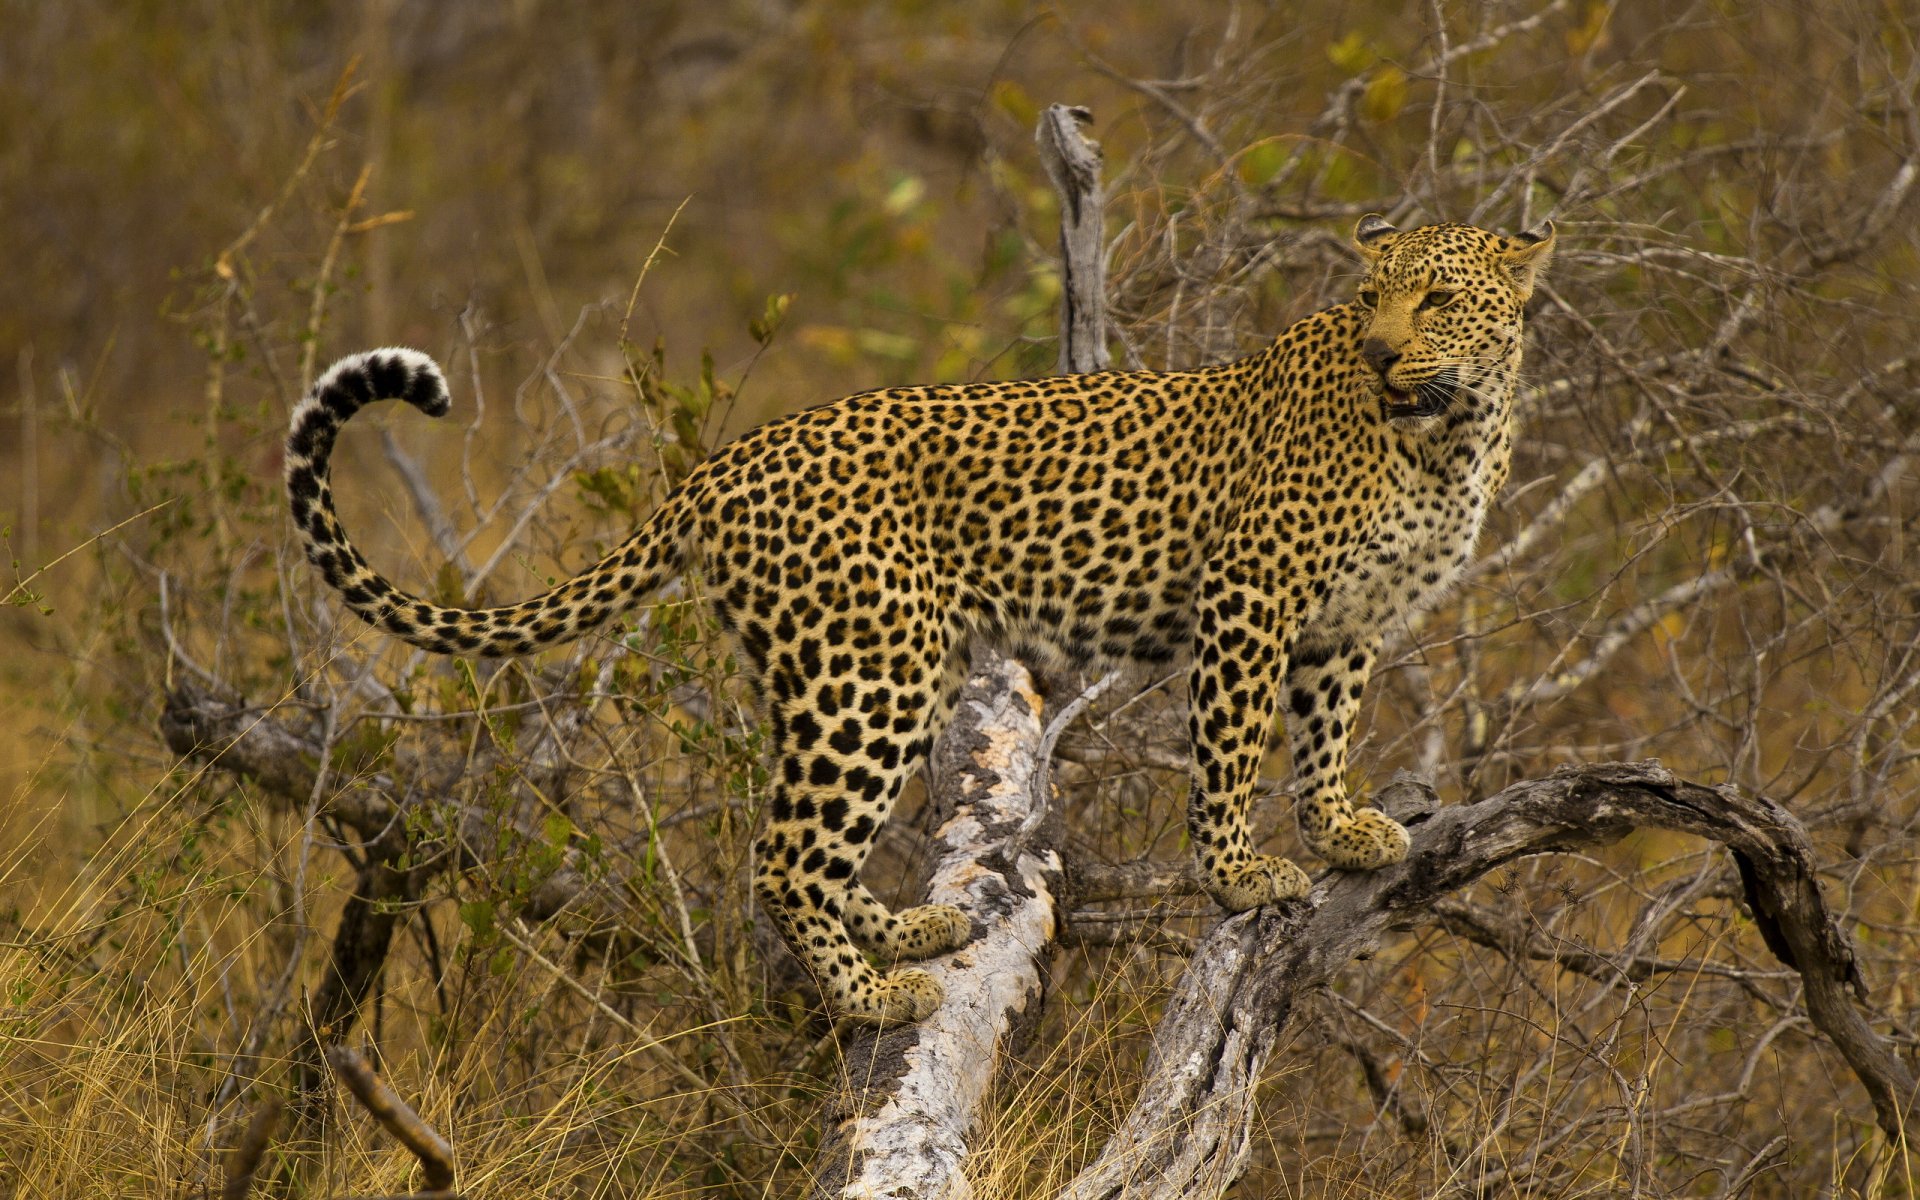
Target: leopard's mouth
{"type": "Point", "coordinates": [1428, 399]}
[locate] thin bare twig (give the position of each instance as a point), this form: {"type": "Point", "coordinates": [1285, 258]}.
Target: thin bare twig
{"type": "Point", "coordinates": [397, 1117]}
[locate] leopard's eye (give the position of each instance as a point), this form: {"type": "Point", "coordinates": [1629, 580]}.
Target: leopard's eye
{"type": "Point", "coordinates": [1369, 298]}
{"type": "Point", "coordinates": [1438, 298]}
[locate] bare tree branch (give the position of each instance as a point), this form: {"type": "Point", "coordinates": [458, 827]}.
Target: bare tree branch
{"type": "Point", "coordinates": [249, 740]}
{"type": "Point", "coordinates": [243, 1163]}
{"type": "Point", "coordinates": [911, 1096]}
{"type": "Point", "coordinates": [1189, 1132]}
{"type": "Point", "coordinates": [397, 1117]}
{"type": "Point", "coordinates": [1073, 163]}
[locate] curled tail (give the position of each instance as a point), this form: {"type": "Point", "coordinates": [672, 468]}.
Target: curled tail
{"type": "Point", "coordinates": [612, 586]}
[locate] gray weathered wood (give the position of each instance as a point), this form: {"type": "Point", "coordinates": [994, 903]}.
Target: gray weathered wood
{"type": "Point", "coordinates": [1073, 163]}
{"type": "Point", "coordinates": [910, 1096]}
{"type": "Point", "coordinates": [1188, 1134]}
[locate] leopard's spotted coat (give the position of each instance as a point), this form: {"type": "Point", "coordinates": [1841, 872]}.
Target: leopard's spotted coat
{"type": "Point", "coordinates": [1262, 521]}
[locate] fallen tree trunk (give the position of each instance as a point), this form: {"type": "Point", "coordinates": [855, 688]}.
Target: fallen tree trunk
{"type": "Point", "coordinates": [1189, 1131]}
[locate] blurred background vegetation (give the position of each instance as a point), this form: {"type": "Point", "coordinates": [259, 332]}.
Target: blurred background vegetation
{"type": "Point", "coordinates": [1705, 553]}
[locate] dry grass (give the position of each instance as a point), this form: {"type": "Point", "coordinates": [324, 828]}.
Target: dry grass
{"type": "Point", "coordinates": [1712, 505]}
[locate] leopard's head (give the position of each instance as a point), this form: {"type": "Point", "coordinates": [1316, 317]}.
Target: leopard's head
{"type": "Point", "coordinates": [1443, 307]}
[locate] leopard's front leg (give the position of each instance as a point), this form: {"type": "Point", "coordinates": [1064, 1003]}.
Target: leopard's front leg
{"type": "Point", "coordinates": [1325, 676]}
{"type": "Point", "coordinates": [1239, 659]}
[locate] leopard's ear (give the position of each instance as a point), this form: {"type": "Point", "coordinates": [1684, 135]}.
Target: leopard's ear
{"type": "Point", "coordinates": [1526, 255]}
{"type": "Point", "coordinates": [1373, 235]}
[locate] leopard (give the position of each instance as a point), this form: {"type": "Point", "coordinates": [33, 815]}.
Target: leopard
{"type": "Point", "coordinates": [1257, 525]}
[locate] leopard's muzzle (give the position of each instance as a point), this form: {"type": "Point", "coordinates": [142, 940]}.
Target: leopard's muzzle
{"type": "Point", "coordinates": [1428, 399]}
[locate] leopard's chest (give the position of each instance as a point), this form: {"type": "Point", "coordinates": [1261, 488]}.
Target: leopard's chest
{"type": "Point", "coordinates": [1419, 543]}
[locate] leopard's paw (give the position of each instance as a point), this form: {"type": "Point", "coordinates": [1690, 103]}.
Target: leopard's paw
{"type": "Point", "coordinates": [1262, 880]}
{"type": "Point", "coordinates": [902, 998]}
{"type": "Point", "coordinates": [929, 930]}
{"type": "Point", "coordinates": [1369, 841]}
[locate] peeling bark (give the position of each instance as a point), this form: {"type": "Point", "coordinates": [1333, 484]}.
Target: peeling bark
{"type": "Point", "coordinates": [910, 1096]}
{"type": "Point", "coordinates": [1073, 163]}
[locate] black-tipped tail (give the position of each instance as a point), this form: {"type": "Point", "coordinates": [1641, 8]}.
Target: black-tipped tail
{"type": "Point", "coordinates": [613, 585]}
{"type": "Point", "coordinates": [347, 387]}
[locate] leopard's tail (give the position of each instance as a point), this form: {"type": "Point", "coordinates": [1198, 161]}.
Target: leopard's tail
{"type": "Point", "coordinates": [614, 585]}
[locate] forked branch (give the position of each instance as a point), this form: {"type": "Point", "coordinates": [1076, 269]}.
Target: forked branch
{"type": "Point", "coordinates": [1189, 1132]}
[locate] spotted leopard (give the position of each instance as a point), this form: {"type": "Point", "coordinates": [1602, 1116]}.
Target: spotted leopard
{"type": "Point", "coordinates": [1261, 521]}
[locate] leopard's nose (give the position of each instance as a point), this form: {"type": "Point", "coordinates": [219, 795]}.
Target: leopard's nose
{"type": "Point", "coordinates": [1379, 356]}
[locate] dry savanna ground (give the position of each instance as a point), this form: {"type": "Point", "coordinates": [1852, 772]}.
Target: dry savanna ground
{"type": "Point", "coordinates": [631, 232]}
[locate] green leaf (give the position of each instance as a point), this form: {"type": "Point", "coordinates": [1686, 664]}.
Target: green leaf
{"type": "Point", "coordinates": [1352, 53]}
{"type": "Point", "coordinates": [1386, 94]}
{"type": "Point", "coordinates": [768, 323]}
{"type": "Point", "coordinates": [478, 915]}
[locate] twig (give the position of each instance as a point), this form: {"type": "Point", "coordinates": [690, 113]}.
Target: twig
{"type": "Point", "coordinates": [1627, 626]}
{"type": "Point", "coordinates": [1042, 801]}
{"type": "Point", "coordinates": [426, 502]}
{"type": "Point", "coordinates": [243, 1163]}
{"type": "Point", "coordinates": [20, 594]}
{"type": "Point", "coordinates": [644, 1042]}
{"type": "Point", "coordinates": [322, 134]}
{"type": "Point", "coordinates": [1095, 881]}
{"type": "Point", "coordinates": [1754, 1165]}
{"type": "Point", "coordinates": [399, 1119]}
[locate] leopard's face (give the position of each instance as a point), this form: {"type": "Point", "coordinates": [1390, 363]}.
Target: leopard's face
{"type": "Point", "coordinates": [1443, 307]}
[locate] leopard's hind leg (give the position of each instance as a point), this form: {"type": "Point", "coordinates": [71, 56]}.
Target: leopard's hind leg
{"type": "Point", "coordinates": [850, 725]}
{"type": "Point", "coordinates": [921, 932]}
{"type": "Point", "coordinates": [924, 930]}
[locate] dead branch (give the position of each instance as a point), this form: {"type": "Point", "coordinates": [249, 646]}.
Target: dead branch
{"type": "Point", "coordinates": [230, 735]}
{"type": "Point", "coordinates": [426, 502]}
{"type": "Point", "coordinates": [397, 1117]}
{"type": "Point", "coordinates": [243, 1162]}
{"type": "Point", "coordinates": [1189, 1132]}
{"type": "Point", "coordinates": [1497, 931]}
{"type": "Point", "coordinates": [1626, 627]}
{"type": "Point", "coordinates": [250, 741]}
{"type": "Point", "coordinates": [1095, 881]}
{"type": "Point", "coordinates": [1073, 163]}
{"type": "Point", "coordinates": [911, 1096]}
{"type": "Point", "coordinates": [361, 943]}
